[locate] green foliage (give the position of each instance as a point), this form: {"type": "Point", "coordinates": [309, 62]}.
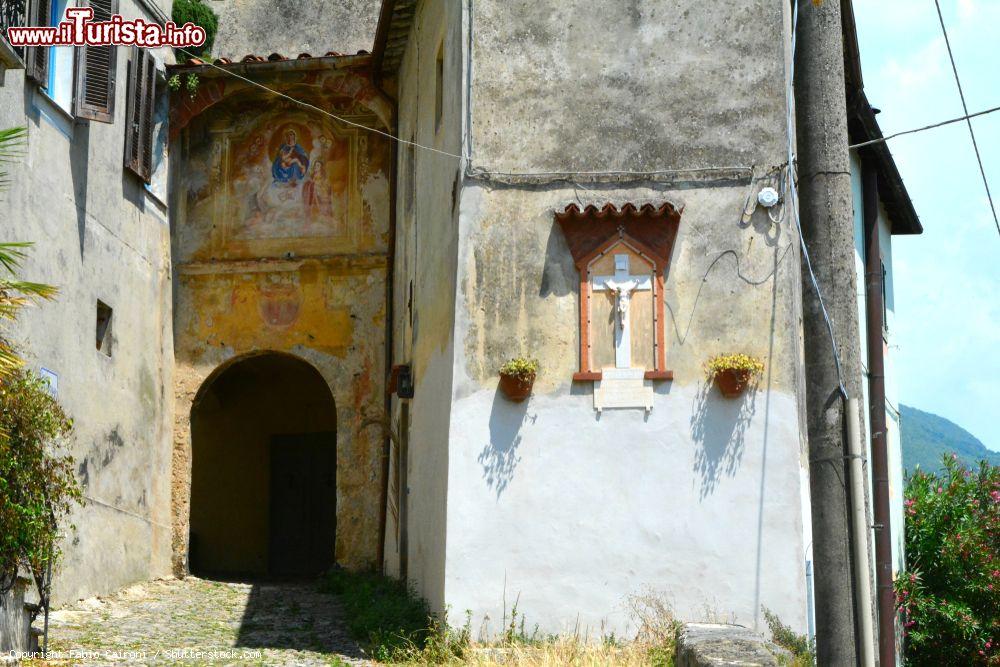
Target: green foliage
{"type": "Point", "coordinates": [11, 143]}
{"type": "Point", "coordinates": [949, 597]}
{"type": "Point", "coordinates": [174, 82]}
{"type": "Point", "coordinates": [14, 295]}
{"type": "Point", "coordinates": [521, 367]}
{"type": "Point", "coordinates": [802, 648]}
{"type": "Point", "coordinates": [925, 437]}
{"type": "Point", "coordinates": [383, 614]}
{"type": "Point", "coordinates": [199, 14]}
{"type": "Point", "coordinates": [736, 362]}
{"type": "Point", "coordinates": [37, 488]}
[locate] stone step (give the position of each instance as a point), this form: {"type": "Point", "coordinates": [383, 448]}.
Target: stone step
{"type": "Point", "coordinates": [716, 644]}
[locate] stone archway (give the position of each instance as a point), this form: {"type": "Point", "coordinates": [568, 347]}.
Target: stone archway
{"type": "Point", "coordinates": [263, 470]}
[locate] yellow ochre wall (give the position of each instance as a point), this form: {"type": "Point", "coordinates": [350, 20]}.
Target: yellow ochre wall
{"type": "Point", "coordinates": [294, 264]}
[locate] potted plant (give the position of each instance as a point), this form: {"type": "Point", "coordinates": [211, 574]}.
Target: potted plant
{"type": "Point", "coordinates": [517, 376]}
{"type": "Point", "coordinates": [733, 372]}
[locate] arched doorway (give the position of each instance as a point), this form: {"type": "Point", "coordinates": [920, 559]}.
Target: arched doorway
{"type": "Point", "coordinates": [263, 478]}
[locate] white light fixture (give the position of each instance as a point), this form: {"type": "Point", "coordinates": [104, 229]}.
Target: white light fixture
{"type": "Point", "coordinates": [768, 197]}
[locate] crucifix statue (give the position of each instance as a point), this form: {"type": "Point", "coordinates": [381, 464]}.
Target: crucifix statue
{"type": "Point", "coordinates": [622, 285]}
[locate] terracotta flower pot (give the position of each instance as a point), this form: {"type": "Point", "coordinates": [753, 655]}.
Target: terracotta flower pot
{"type": "Point", "coordinates": [516, 387]}
{"type": "Point", "coordinates": [732, 381]}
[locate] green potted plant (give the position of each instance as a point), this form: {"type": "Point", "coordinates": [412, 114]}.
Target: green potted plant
{"type": "Point", "coordinates": [517, 376]}
{"type": "Point", "coordinates": [732, 372]}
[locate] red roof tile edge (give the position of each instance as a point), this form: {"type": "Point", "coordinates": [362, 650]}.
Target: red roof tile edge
{"type": "Point", "coordinates": [629, 209]}
{"type": "Point", "coordinates": [274, 57]}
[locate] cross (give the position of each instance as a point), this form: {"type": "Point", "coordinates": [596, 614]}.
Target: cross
{"type": "Point", "coordinates": [622, 284]}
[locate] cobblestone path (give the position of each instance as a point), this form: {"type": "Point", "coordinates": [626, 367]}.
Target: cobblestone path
{"type": "Point", "coordinates": [200, 622]}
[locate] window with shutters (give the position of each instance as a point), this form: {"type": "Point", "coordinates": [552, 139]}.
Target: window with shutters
{"type": "Point", "coordinates": [80, 81]}
{"type": "Point", "coordinates": [139, 117]}
{"type": "Point", "coordinates": [95, 72]}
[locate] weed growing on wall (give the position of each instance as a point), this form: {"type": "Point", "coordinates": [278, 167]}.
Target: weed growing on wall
{"type": "Point", "coordinates": [949, 596]}
{"type": "Point", "coordinates": [802, 649]}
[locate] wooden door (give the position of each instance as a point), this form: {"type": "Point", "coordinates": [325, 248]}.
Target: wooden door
{"type": "Point", "coordinates": [303, 518]}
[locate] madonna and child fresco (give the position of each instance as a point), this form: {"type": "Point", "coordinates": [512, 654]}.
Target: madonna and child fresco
{"type": "Point", "coordinates": [289, 178]}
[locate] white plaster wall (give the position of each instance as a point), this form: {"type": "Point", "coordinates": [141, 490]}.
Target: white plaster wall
{"type": "Point", "coordinates": [703, 500]}
{"type": "Point", "coordinates": [426, 247]}
{"type": "Point", "coordinates": [568, 513]}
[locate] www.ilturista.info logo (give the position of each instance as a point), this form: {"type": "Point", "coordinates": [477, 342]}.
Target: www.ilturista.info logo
{"type": "Point", "coordinates": [79, 30]}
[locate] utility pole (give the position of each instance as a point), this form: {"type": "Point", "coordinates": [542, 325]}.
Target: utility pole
{"type": "Point", "coordinates": [828, 231]}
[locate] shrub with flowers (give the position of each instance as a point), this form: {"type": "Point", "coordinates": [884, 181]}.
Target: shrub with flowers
{"type": "Point", "coordinates": [949, 597]}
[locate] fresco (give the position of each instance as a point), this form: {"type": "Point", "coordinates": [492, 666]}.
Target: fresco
{"type": "Point", "coordinates": [289, 175]}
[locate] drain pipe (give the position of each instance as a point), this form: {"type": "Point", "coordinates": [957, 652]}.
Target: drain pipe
{"type": "Point", "coordinates": [881, 513]}
{"type": "Point", "coordinates": [859, 538]}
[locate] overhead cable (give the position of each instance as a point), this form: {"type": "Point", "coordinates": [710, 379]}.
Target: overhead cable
{"type": "Point", "coordinates": [965, 108]}
{"type": "Point", "coordinates": [881, 140]}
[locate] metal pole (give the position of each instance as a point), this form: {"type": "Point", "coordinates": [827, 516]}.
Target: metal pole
{"type": "Point", "coordinates": [859, 541]}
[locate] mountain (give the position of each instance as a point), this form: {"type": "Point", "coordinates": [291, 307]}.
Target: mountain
{"type": "Point", "coordinates": [926, 436]}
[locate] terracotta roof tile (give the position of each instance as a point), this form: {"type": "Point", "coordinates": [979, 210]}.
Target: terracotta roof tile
{"type": "Point", "coordinates": [627, 210]}
{"type": "Point", "coordinates": [274, 57]}
{"type": "Point", "coordinates": [588, 229]}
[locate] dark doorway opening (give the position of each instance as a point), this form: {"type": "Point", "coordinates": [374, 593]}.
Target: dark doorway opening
{"type": "Point", "coordinates": [263, 478]}
{"type": "Point", "coordinates": [303, 491]}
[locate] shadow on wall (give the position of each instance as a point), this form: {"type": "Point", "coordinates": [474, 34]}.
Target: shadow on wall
{"type": "Point", "coordinates": [500, 457]}
{"type": "Point", "coordinates": [718, 427]}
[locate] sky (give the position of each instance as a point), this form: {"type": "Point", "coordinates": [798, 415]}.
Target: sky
{"type": "Point", "coordinates": [947, 280]}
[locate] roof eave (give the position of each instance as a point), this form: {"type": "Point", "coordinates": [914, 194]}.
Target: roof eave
{"type": "Point", "coordinates": [257, 67]}
{"type": "Point", "coordinates": [864, 127]}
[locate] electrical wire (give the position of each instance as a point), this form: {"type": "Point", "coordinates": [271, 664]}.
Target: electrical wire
{"type": "Point", "coordinates": [961, 94]}
{"type": "Point", "coordinates": [794, 197]}
{"type": "Point", "coordinates": [882, 140]}
{"type": "Point", "coordinates": [475, 173]}
{"type": "Point", "coordinates": [327, 113]}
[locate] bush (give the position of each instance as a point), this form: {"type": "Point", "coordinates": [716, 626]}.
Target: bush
{"type": "Point", "coordinates": [950, 594]}
{"type": "Point", "coordinates": [200, 15]}
{"type": "Point", "coordinates": [37, 488]}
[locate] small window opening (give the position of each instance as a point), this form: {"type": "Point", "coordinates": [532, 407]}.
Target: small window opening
{"type": "Point", "coordinates": [439, 88]}
{"type": "Point", "coordinates": [104, 313]}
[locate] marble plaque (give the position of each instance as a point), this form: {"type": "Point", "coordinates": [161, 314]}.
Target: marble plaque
{"type": "Point", "coordinates": [623, 388]}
